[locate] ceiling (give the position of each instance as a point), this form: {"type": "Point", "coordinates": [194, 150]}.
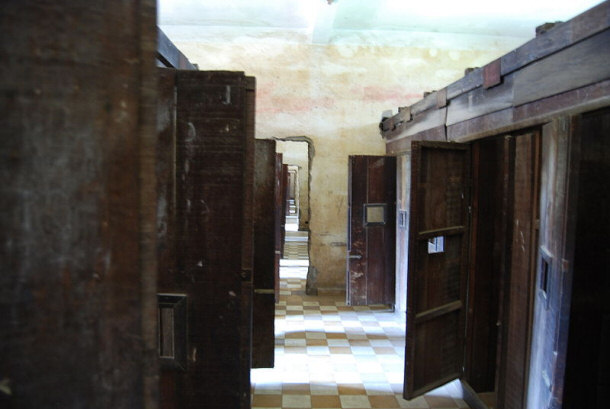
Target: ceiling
{"type": "Point", "coordinates": [389, 21]}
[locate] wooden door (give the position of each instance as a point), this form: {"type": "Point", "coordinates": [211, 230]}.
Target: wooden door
{"type": "Point", "coordinates": [371, 230]}
{"type": "Point", "coordinates": [279, 221]}
{"type": "Point", "coordinates": [263, 335]}
{"type": "Point", "coordinates": [437, 265]}
{"type": "Point", "coordinates": [553, 281]}
{"type": "Point", "coordinates": [205, 301]}
{"type": "Point", "coordinates": [77, 200]}
{"type": "Point", "coordinates": [517, 292]}
{"type": "Point", "coordinates": [284, 204]}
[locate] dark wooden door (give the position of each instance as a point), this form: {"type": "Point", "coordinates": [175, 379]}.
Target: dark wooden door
{"type": "Point", "coordinates": [437, 265]}
{"type": "Point", "coordinates": [205, 304]}
{"type": "Point", "coordinates": [263, 335]}
{"type": "Point", "coordinates": [371, 249]}
{"type": "Point", "coordinates": [77, 200]}
{"type": "Point", "coordinates": [279, 221]}
{"type": "Point", "coordinates": [284, 204]}
{"type": "Point", "coordinates": [517, 292]}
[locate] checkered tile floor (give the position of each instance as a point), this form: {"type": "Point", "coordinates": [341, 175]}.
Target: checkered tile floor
{"type": "Point", "coordinates": [332, 356]}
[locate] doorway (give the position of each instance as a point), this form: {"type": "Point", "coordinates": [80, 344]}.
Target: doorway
{"type": "Point", "coordinates": [587, 377]}
{"type": "Point", "coordinates": [472, 251]}
{"type": "Point", "coordinates": [297, 153]}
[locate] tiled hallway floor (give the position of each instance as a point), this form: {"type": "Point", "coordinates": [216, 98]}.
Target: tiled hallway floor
{"type": "Point", "coordinates": [329, 355]}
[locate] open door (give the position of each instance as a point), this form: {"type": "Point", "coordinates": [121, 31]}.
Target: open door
{"type": "Point", "coordinates": [437, 260]}
{"type": "Point", "coordinates": [263, 315]}
{"type": "Point", "coordinates": [205, 230]}
{"type": "Point", "coordinates": [372, 236]}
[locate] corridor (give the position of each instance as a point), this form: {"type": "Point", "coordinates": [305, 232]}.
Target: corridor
{"type": "Point", "coordinates": [333, 356]}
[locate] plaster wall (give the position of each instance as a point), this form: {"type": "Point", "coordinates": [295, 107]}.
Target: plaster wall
{"type": "Point", "coordinates": [334, 94]}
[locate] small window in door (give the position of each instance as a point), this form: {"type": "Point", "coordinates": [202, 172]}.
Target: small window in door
{"type": "Point", "coordinates": [172, 330]}
{"type": "Point", "coordinates": [375, 214]}
{"type": "Point", "coordinates": [544, 280]}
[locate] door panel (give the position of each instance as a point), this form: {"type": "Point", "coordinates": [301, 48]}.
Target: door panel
{"type": "Point", "coordinates": [263, 336]}
{"type": "Point", "coordinates": [371, 230]}
{"type": "Point", "coordinates": [209, 260]}
{"type": "Point", "coordinates": [516, 320]}
{"type": "Point", "coordinates": [553, 285]}
{"type": "Point", "coordinates": [284, 198]}
{"type": "Point", "coordinates": [437, 265]}
{"type": "Point", "coordinates": [280, 221]}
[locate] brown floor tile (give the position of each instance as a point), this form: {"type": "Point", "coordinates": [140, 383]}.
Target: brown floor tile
{"type": "Point", "coordinates": [336, 335]}
{"type": "Point", "coordinates": [317, 342]}
{"type": "Point", "coordinates": [267, 401]}
{"type": "Point", "coordinates": [360, 342]}
{"type": "Point", "coordinates": [325, 401]}
{"type": "Point", "coordinates": [351, 389]}
{"type": "Point", "coordinates": [377, 336]}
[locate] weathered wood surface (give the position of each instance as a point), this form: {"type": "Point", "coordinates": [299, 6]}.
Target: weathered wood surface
{"type": "Point", "coordinates": [356, 266]}
{"type": "Point", "coordinates": [263, 336]}
{"type": "Point", "coordinates": [422, 122]}
{"type": "Point", "coordinates": [519, 288]}
{"type": "Point", "coordinates": [279, 221]}
{"type": "Point", "coordinates": [403, 194]}
{"type": "Point", "coordinates": [247, 243]}
{"type": "Point", "coordinates": [480, 101]}
{"type": "Point", "coordinates": [469, 82]}
{"type": "Point", "coordinates": [169, 55]}
{"type": "Point", "coordinates": [549, 330]}
{"type": "Point", "coordinates": [212, 167]}
{"type": "Point", "coordinates": [78, 263]}
{"type": "Point", "coordinates": [166, 177]}
{"type": "Point", "coordinates": [532, 114]}
{"type": "Point", "coordinates": [530, 80]}
{"type": "Point", "coordinates": [436, 290]}
{"type": "Point", "coordinates": [401, 145]}
{"type": "Point", "coordinates": [371, 275]}
{"type": "Point", "coordinates": [585, 63]}
{"type": "Point", "coordinates": [487, 252]}
{"type": "Point", "coordinates": [564, 35]}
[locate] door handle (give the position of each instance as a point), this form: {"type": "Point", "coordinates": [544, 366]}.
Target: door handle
{"type": "Point", "coordinates": [354, 256]}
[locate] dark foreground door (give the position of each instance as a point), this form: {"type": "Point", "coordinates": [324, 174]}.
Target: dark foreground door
{"type": "Point", "coordinates": [371, 234]}
{"type": "Point", "coordinates": [437, 260]}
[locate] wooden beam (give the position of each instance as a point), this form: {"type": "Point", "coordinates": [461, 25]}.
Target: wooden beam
{"type": "Point", "coordinates": [427, 120]}
{"type": "Point", "coordinates": [169, 55]}
{"type": "Point", "coordinates": [563, 35]}
{"type": "Point", "coordinates": [535, 113]}
{"type": "Point", "coordinates": [480, 102]}
{"type": "Point", "coordinates": [582, 64]}
{"type": "Point", "coordinates": [397, 146]}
